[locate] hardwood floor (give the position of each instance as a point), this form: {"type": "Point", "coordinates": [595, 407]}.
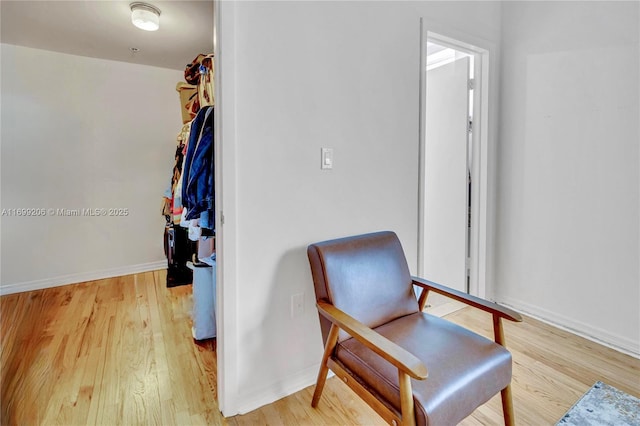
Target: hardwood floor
{"type": "Point", "coordinates": [119, 351]}
{"type": "Point", "coordinates": [552, 369]}
{"type": "Point", "coordinates": [115, 351]}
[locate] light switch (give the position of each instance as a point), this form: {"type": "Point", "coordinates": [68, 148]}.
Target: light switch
{"type": "Point", "coordinates": [326, 158]}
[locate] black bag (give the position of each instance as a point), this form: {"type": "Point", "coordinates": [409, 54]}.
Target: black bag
{"type": "Point", "coordinates": [178, 249]}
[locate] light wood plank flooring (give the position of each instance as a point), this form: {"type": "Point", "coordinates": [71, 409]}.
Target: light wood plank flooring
{"type": "Point", "coordinates": [119, 351]}
{"type": "Point", "coordinates": [115, 351]}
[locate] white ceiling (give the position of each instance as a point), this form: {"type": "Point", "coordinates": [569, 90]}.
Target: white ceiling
{"type": "Point", "coordinates": [103, 29]}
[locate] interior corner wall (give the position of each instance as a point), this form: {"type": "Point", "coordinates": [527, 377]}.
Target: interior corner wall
{"type": "Point", "coordinates": [568, 195]}
{"type": "Point", "coordinates": [307, 75]}
{"type": "Point", "coordinates": [82, 133]}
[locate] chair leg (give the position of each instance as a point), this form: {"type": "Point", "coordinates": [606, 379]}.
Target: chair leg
{"type": "Point", "coordinates": [507, 400]}
{"type": "Point", "coordinates": [507, 406]}
{"type": "Point", "coordinates": [332, 339]}
{"type": "Point", "coordinates": [422, 301]}
{"type": "Point", "coordinates": [406, 400]}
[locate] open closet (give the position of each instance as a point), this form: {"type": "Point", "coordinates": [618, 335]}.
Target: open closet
{"type": "Point", "coordinates": [189, 201]}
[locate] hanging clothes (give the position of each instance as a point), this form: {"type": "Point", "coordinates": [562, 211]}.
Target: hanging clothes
{"type": "Point", "coordinates": [172, 208]}
{"type": "Point", "coordinates": [177, 246]}
{"type": "Point", "coordinates": [189, 199]}
{"type": "Point", "coordinates": [198, 195]}
{"type": "Point", "coordinates": [183, 140]}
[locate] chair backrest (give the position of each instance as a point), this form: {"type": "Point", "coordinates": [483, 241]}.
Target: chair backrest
{"type": "Point", "coordinates": [365, 276]}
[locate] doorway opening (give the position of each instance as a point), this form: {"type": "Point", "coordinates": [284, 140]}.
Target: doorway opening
{"type": "Point", "coordinates": [453, 147]}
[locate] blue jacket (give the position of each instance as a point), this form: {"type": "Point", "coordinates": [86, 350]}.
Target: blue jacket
{"type": "Point", "coordinates": [198, 180]}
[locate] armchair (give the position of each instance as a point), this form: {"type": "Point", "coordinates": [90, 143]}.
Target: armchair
{"type": "Point", "coordinates": [409, 366]}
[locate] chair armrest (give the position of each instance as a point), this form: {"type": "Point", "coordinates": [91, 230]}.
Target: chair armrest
{"type": "Point", "coordinates": [468, 299]}
{"type": "Point", "coordinates": [404, 360]}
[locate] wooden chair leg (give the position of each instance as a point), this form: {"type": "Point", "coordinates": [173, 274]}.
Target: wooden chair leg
{"type": "Point", "coordinates": [422, 301]}
{"type": "Point", "coordinates": [406, 400]}
{"type": "Point", "coordinates": [507, 406]}
{"type": "Point", "coordinates": [507, 400]}
{"type": "Point", "coordinates": [332, 339]}
{"type": "Point", "coordinates": [498, 331]}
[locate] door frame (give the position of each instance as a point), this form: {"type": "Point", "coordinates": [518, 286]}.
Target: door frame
{"type": "Point", "coordinates": [478, 243]}
{"type": "Point", "coordinates": [226, 206]}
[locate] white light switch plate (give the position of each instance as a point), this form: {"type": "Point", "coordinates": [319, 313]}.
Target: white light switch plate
{"type": "Point", "coordinates": [326, 158]}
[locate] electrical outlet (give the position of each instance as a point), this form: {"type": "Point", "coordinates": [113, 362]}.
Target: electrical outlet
{"type": "Point", "coordinates": [297, 305]}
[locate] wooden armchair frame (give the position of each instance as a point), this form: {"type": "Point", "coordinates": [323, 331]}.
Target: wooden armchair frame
{"type": "Point", "coordinates": [408, 365]}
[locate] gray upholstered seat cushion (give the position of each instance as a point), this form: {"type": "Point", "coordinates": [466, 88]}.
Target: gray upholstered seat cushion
{"type": "Point", "coordinates": [465, 369]}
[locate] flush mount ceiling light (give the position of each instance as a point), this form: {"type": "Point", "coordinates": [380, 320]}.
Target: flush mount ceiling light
{"type": "Point", "coordinates": [145, 16]}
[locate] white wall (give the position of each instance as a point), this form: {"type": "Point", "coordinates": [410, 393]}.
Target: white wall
{"type": "Point", "coordinates": [568, 194]}
{"type": "Point", "coordinates": [79, 133]}
{"type": "Point", "coordinates": [296, 77]}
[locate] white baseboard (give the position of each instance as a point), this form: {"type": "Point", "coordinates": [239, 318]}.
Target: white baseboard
{"type": "Point", "coordinates": [279, 390]}
{"type": "Point", "coordinates": [81, 277]}
{"type": "Point", "coordinates": [582, 329]}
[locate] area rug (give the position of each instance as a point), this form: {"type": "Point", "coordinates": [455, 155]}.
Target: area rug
{"type": "Point", "coordinates": [603, 405]}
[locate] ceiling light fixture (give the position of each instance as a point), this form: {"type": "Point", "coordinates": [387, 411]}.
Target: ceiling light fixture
{"type": "Point", "coordinates": [145, 16]}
